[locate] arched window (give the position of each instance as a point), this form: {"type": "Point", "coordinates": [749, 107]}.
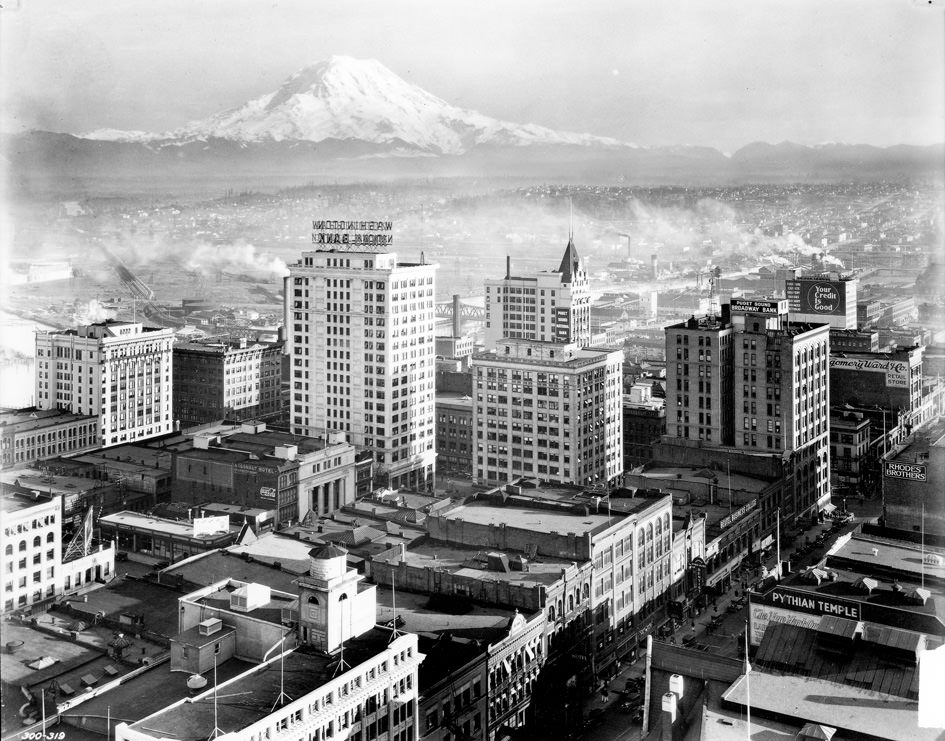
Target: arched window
{"type": "Point", "coordinates": [586, 592]}
{"type": "Point", "coordinates": [22, 545]}
{"type": "Point", "coordinates": [649, 532]}
{"type": "Point", "coordinates": [313, 600]}
{"type": "Point", "coordinates": [551, 613]}
{"type": "Point", "coordinates": [570, 603]}
{"type": "Point", "coordinates": [9, 549]}
{"type": "Point", "coordinates": [50, 537]}
{"type": "Point", "coordinates": [37, 542]}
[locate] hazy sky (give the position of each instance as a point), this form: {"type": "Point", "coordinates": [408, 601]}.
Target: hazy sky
{"type": "Point", "coordinates": [721, 73]}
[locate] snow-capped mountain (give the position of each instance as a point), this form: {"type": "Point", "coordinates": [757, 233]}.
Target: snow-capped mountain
{"type": "Point", "coordinates": [357, 99]}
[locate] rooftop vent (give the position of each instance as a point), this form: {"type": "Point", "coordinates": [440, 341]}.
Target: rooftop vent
{"type": "Point", "coordinates": [210, 626]}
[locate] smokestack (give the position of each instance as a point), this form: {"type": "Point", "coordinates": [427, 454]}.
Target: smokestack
{"type": "Point", "coordinates": [287, 313]}
{"type": "Point", "coordinates": [654, 266]}
{"type": "Point", "coordinates": [508, 267]}
{"type": "Point", "coordinates": [457, 315]}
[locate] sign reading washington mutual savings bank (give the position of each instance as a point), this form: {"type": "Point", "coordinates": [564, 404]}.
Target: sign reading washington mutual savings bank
{"type": "Point", "coordinates": [352, 233]}
{"type": "Point", "coordinates": [812, 603]}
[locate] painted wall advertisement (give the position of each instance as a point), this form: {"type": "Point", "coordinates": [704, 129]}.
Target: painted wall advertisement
{"type": "Point", "coordinates": [897, 371]}
{"type": "Point", "coordinates": [907, 471]}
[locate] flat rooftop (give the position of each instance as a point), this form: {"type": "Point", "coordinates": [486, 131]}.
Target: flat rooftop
{"type": "Point", "coordinates": [12, 500]}
{"type": "Point", "coordinates": [175, 528]}
{"type": "Point", "coordinates": [251, 696]}
{"type": "Point", "coordinates": [31, 478]}
{"type": "Point", "coordinates": [454, 399]}
{"type": "Point", "coordinates": [849, 709]}
{"type": "Point", "coordinates": [270, 612]}
{"type": "Point", "coordinates": [530, 518]}
{"type": "Point", "coordinates": [893, 557]}
{"type": "Point", "coordinates": [436, 614]}
{"type": "Point", "coordinates": [210, 568]}
{"type": "Point", "coordinates": [156, 604]}
{"type": "Point", "coordinates": [26, 420]}
{"type": "Point", "coordinates": [666, 475]}
{"type": "Point", "coordinates": [474, 563]}
{"type": "Point", "coordinates": [150, 692]}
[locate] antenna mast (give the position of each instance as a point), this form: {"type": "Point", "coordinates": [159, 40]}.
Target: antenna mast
{"type": "Point", "coordinates": [283, 698]}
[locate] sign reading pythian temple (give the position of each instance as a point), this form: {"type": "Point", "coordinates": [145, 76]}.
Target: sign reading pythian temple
{"type": "Point", "coordinates": [352, 234]}
{"type": "Point", "coordinates": [796, 607]}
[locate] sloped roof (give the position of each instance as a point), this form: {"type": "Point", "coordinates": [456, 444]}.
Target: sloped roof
{"type": "Point", "coordinates": [325, 552]}
{"type": "Point", "coordinates": [570, 262]}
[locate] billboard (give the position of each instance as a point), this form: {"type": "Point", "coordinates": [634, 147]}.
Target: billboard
{"type": "Point", "coordinates": [823, 297]}
{"type": "Point", "coordinates": [908, 471]}
{"type": "Point", "coordinates": [211, 525]}
{"type": "Point", "coordinates": [896, 371]}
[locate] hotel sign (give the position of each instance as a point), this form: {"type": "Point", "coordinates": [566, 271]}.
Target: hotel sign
{"type": "Point", "coordinates": [908, 471]}
{"type": "Point", "coordinates": [352, 234]}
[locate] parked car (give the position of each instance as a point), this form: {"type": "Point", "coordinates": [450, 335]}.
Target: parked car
{"type": "Point", "coordinates": [594, 718]}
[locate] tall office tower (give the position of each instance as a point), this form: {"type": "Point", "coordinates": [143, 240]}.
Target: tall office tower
{"type": "Point", "coordinates": [549, 306]}
{"type": "Point", "coordinates": [232, 380]}
{"type": "Point", "coordinates": [752, 381]}
{"type": "Point", "coordinates": [548, 410]}
{"type": "Point", "coordinates": [363, 357]}
{"type": "Point", "coordinates": [117, 371]}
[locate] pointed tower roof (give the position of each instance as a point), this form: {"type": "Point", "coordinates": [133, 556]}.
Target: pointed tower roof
{"type": "Point", "coordinates": [570, 262]}
{"type": "Point", "coordinates": [326, 552]}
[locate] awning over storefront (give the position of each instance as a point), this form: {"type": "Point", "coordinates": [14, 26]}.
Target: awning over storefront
{"type": "Point", "coordinates": [829, 508]}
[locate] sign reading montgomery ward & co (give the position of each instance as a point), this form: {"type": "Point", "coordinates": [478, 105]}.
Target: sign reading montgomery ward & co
{"type": "Point", "coordinates": [897, 371]}
{"type": "Point", "coordinates": [813, 603]}
{"type": "Point", "coordinates": [343, 233]}
{"type": "Point", "coordinates": [908, 471]}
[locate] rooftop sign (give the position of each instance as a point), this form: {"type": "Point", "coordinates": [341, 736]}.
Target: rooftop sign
{"type": "Point", "coordinates": [757, 307]}
{"type": "Point", "coordinates": [353, 235]}
{"type": "Point", "coordinates": [737, 514]}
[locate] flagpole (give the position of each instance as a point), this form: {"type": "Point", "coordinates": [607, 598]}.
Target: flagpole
{"type": "Point", "coordinates": [747, 688]}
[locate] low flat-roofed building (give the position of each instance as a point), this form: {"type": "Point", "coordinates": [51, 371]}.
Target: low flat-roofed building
{"type": "Point", "coordinates": [260, 520]}
{"type": "Point", "coordinates": [254, 466]}
{"type": "Point", "coordinates": [735, 507]}
{"type": "Point", "coordinates": [160, 538]}
{"type": "Point", "coordinates": [302, 693]}
{"type": "Point", "coordinates": [77, 493]}
{"type": "Point", "coordinates": [860, 681]}
{"type": "Point", "coordinates": [488, 576]}
{"type": "Point", "coordinates": [513, 642]}
{"type": "Point", "coordinates": [884, 588]}
{"type": "Point", "coordinates": [31, 435]}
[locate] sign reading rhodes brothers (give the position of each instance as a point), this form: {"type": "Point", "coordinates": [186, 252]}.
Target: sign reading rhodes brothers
{"type": "Point", "coordinates": [350, 235]}
{"type": "Point", "coordinates": [908, 471]}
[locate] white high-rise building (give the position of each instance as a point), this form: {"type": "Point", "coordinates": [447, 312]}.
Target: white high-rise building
{"type": "Point", "coordinates": [361, 329]}
{"type": "Point", "coordinates": [120, 372]}
{"type": "Point", "coordinates": [548, 410]}
{"type": "Point", "coordinates": [548, 306]}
